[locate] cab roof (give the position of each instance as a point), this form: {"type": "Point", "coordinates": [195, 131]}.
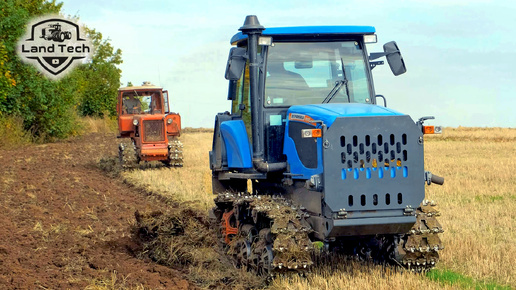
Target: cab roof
{"type": "Point", "coordinates": [138, 88]}
{"type": "Point", "coordinates": [310, 31]}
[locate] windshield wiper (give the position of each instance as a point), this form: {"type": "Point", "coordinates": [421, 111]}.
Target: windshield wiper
{"type": "Point", "coordinates": [335, 90]}
{"type": "Point", "coordinates": [338, 85]}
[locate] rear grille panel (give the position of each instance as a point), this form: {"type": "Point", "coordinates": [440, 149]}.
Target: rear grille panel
{"type": "Point", "coordinates": [373, 163]}
{"type": "Point", "coordinates": [153, 131]}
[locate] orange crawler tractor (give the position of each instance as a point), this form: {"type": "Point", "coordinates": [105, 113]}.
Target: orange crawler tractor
{"type": "Point", "coordinates": [150, 130]}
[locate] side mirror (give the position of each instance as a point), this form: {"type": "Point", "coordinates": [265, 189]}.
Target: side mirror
{"type": "Point", "coordinates": [394, 58]}
{"type": "Point", "coordinates": [236, 63]}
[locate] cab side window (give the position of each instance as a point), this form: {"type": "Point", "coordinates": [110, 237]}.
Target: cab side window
{"type": "Point", "coordinates": [237, 98]}
{"type": "Point", "coordinates": [243, 97]}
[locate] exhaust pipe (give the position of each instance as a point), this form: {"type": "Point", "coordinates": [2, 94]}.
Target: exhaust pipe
{"type": "Point", "coordinates": [262, 166]}
{"type": "Point", "coordinates": [253, 29]}
{"type": "Point", "coordinates": [437, 179]}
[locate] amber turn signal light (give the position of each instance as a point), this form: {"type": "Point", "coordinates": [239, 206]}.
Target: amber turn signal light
{"type": "Point", "coordinates": [311, 133]}
{"type": "Point", "coordinates": [432, 130]}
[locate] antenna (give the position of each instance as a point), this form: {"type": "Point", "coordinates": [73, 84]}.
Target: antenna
{"type": "Point", "coordinates": [159, 78]}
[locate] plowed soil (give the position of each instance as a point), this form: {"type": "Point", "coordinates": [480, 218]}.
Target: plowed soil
{"type": "Point", "coordinates": [65, 224]}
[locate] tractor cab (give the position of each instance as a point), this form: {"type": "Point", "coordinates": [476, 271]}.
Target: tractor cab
{"type": "Point", "coordinates": [326, 68]}
{"type": "Point", "coordinates": [145, 99]}
{"type": "Point", "coordinates": [149, 101]}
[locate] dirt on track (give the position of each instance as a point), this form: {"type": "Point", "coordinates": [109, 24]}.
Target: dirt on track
{"type": "Point", "coordinates": [65, 224]}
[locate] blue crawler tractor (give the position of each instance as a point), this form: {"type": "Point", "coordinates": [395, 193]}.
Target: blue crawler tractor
{"type": "Point", "coordinates": [307, 161]}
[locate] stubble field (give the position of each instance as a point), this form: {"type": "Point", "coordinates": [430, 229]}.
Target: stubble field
{"type": "Point", "coordinates": [477, 203]}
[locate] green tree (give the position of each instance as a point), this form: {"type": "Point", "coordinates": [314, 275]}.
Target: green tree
{"type": "Point", "coordinates": [49, 108]}
{"type": "Point", "coordinates": [6, 79]}
{"type": "Point", "coordinates": [102, 78]}
{"type": "Point", "coordinates": [43, 107]}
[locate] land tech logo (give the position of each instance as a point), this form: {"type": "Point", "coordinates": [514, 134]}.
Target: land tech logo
{"type": "Point", "coordinates": [54, 45]}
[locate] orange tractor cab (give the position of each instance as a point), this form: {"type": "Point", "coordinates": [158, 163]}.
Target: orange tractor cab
{"type": "Point", "coordinates": [150, 130]}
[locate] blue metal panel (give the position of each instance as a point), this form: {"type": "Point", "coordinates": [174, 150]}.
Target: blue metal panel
{"type": "Point", "coordinates": [329, 112]}
{"type": "Point", "coordinates": [326, 113]}
{"type": "Point", "coordinates": [320, 30]}
{"type": "Point", "coordinates": [237, 144]}
{"type": "Point", "coordinates": [296, 166]}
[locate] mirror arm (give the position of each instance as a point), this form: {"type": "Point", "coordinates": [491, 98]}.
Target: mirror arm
{"type": "Point", "coordinates": [373, 64]}
{"type": "Point", "coordinates": [375, 55]}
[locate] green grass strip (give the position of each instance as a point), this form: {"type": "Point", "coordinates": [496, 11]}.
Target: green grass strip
{"type": "Point", "coordinates": [456, 279]}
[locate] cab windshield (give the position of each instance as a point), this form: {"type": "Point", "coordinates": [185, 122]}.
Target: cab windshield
{"type": "Point", "coordinates": [134, 102]}
{"type": "Point", "coordinates": [301, 73]}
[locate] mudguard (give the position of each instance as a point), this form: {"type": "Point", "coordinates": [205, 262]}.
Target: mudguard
{"type": "Point", "coordinates": [238, 149]}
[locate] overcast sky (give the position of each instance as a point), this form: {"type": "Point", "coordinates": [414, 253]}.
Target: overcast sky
{"type": "Point", "coordinates": [459, 53]}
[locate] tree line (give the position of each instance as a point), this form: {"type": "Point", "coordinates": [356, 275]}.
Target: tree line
{"type": "Point", "coordinates": [49, 109]}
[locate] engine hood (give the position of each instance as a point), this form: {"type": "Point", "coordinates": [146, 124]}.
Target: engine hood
{"type": "Point", "coordinates": [329, 112]}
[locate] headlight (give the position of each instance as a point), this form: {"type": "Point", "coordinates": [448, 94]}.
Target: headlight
{"type": "Point", "coordinates": [169, 121]}
{"type": "Point", "coordinates": [370, 38]}
{"type": "Point", "coordinates": [265, 40]}
{"type": "Point", "coordinates": [135, 122]}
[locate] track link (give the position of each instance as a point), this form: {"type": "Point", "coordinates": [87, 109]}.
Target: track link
{"type": "Point", "coordinates": [419, 249]}
{"type": "Point", "coordinates": [272, 234]}
{"type": "Point", "coordinates": [175, 155]}
{"type": "Point", "coordinates": [127, 154]}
